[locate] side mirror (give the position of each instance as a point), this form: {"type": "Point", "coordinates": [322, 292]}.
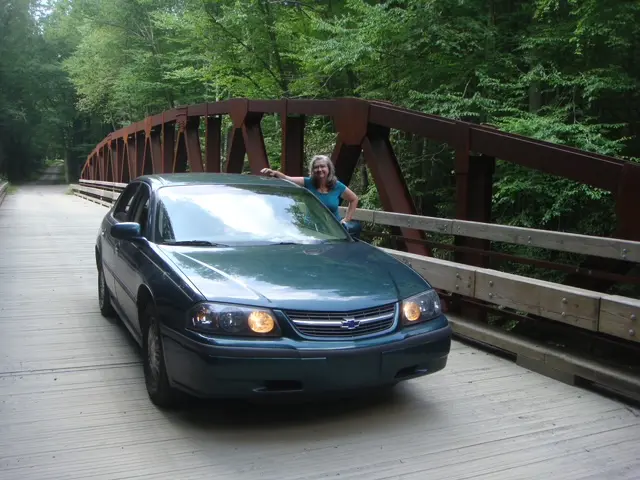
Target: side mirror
{"type": "Point", "coordinates": [354, 228]}
{"type": "Point", "coordinates": [126, 231]}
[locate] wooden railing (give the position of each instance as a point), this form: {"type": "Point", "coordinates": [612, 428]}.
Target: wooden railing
{"type": "Point", "coordinates": [595, 312]}
{"type": "Point", "coordinates": [560, 241]}
{"type": "Point", "coordinates": [104, 193]}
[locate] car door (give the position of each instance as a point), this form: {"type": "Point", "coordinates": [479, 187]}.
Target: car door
{"type": "Point", "coordinates": [130, 258]}
{"type": "Point", "coordinates": [119, 213]}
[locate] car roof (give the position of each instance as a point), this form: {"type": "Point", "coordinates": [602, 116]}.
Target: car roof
{"type": "Point", "coordinates": [171, 179]}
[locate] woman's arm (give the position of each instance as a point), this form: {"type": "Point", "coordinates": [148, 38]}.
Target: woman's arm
{"type": "Point", "coordinates": [275, 173]}
{"type": "Point", "coordinates": [352, 198]}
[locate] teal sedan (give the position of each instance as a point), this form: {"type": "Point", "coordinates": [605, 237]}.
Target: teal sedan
{"type": "Point", "coordinates": [240, 286]}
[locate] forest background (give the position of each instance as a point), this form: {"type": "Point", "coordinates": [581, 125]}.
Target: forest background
{"type": "Point", "coordinates": [566, 71]}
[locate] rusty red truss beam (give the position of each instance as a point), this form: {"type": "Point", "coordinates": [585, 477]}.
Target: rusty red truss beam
{"type": "Point", "coordinates": [430, 126]}
{"type": "Point", "coordinates": [320, 108]}
{"type": "Point", "coordinates": [581, 166]}
{"type": "Point", "coordinates": [294, 107]}
{"type": "Point", "coordinates": [212, 143]}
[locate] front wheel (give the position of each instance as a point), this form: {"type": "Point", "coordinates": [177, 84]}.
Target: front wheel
{"type": "Point", "coordinates": [155, 373]}
{"type": "Point", "coordinates": [104, 296]}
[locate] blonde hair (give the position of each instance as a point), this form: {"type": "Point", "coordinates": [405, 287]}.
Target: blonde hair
{"type": "Point", "coordinates": [331, 177]}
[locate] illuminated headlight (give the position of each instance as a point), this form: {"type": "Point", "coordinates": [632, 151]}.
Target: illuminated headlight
{"type": "Point", "coordinates": [420, 308]}
{"type": "Point", "coordinates": [224, 319]}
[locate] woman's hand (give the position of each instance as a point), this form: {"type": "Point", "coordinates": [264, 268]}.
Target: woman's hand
{"type": "Point", "coordinates": [275, 173]}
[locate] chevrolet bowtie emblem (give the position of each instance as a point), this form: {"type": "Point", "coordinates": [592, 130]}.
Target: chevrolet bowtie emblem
{"type": "Point", "coordinates": [350, 323]}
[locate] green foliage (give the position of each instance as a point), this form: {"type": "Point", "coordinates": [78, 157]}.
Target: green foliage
{"type": "Point", "coordinates": [561, 71]}
{"type": "Point", "coordinates": [25, 89]}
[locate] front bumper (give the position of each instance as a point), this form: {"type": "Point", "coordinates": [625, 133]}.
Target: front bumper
{"type": "Point", "coordinates": [207, 370]}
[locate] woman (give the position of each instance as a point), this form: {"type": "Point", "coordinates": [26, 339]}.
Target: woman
{"type": "Point", "coordinates": [322, 182]}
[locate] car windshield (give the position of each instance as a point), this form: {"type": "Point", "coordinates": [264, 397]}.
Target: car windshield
{"type": "Point", "coordinates": [243, 214]}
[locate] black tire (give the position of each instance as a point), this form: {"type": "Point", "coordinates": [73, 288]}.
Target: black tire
{"type": "Point", "coordinates": [155, 373]}
{"type": "Point", "coordinates": [104, 296]}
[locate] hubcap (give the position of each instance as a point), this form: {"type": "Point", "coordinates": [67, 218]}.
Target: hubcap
{"type": "Point", "coordinates": [153, 352]}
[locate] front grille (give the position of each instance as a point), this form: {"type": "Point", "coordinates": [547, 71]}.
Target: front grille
{"type": "Point", "coordinates": [355, 323]}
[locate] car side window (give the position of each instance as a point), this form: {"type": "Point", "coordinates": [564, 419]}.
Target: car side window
{"type": "Point", "coordinates": [141, 212]}
{"type": "Point", "coordinates": [123, 205]}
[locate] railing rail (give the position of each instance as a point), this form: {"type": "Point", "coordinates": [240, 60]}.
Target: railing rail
{"type": "Point", "coordinates": [98, 183]}
{"type": "Point", "coordinates": [561, 241]}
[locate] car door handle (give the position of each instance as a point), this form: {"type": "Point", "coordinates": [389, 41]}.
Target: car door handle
{"type": "Point", "coordinates": [117, 247]}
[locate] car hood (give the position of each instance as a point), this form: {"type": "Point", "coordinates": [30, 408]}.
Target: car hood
{"type": "Point", "coordinates": [342, 276]}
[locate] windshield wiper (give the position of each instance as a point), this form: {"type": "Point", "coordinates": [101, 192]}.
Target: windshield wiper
{"type": "Point", "coordinates": [196, 243]}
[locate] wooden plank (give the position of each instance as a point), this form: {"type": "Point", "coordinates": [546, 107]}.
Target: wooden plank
{"type": "Point", "coordinates": [107, 194]}
{"type": "Point", "coordinates": [427, 224]}
{"type": "Point", "coordinates": [570, 305]}
{"type": "Point", "coordinates": [441, 274]}
{"type": "Point", "coordinates": [93, 199]}
{"type": "Point", "coordinates": [99, 183]}
{"type": "Point", "coordinates": [549, 300]}
{"type": "Point", "coordinates": [92, 192]}
{"type": "Point", "coordinates": [547, 360]}
{"type": "Point", "coordinates": [363, 215]}
{"type": "Point", "coordinates": [620, 317]}
{"type": "Point", "coordinates": [557, 302]}
{"type": "Point", "coordinates": [561, 241]}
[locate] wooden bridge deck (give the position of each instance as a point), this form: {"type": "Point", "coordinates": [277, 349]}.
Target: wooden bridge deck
{"type": "Point", "coordinates": [73, 403]}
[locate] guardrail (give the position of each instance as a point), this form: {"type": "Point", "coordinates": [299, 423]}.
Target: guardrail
{"type": "Point", "coordinates": [4, 187]}
{"type": "Point", "coordinates": [103, 193]}
{"type": "Point", "coordinates": [98, 183]}
{"type": "Point", "coordinates": [590, 311]}
{"type": "Point", "coordinates": [586, 309]}
{"type": "Point", "coordinates": [565, 242]}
